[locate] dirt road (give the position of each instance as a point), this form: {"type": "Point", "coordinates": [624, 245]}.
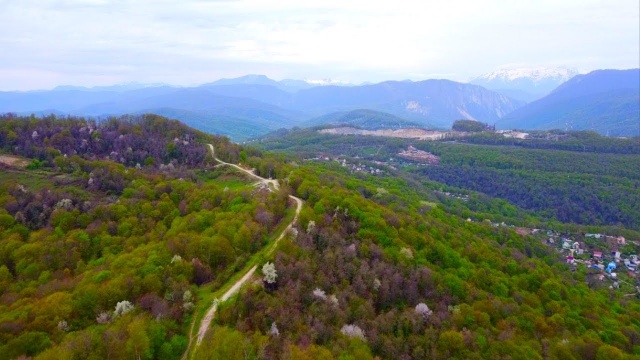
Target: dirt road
{"type": "Point", "coordinates": [206, 321]}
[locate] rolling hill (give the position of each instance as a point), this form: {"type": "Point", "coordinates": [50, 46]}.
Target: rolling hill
{"type": "Point", "coordinates": [362, 118]}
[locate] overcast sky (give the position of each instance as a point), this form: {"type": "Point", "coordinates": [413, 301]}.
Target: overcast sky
{"type": "Point", "coordinates": [44, 43]}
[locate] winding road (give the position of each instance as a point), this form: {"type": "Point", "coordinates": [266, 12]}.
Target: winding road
{"type": "Point", "coordinates": [206, 320]}
{"type": "Point", "coordinates": [261, 180]}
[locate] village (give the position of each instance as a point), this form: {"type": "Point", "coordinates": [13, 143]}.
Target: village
{"type": "Point", "coordinates": [409, 157]}
{"type": "Point", "coordinates": [355, 165]}
{"type": "Point", "coordinates": [606, 258]}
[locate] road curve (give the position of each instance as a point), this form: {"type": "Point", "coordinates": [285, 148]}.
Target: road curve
{"type": "Point", "coordinates": [206, 321]}
{"type": "Point", "coordinates": [251, 173]}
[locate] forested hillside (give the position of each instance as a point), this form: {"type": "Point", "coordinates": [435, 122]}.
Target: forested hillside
{"type": "Point", "coordinates": [100, 259]}
{"type": "Point", "coordinates": [114, 248]}
{"type": "Point", "coordinates": [375, 272]}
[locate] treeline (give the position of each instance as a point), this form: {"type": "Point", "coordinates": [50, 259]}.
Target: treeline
{"type": "Point", "coordinates": [144, 140]}
{"type": "Point", "coordinates": [579, 141]}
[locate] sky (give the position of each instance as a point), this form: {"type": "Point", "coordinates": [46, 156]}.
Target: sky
{"type": "Point", "coordinates": [45, 43]}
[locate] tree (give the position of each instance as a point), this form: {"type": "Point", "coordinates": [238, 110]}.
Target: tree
{"type": "Point", "coordinates": [353, 331]}
{"type": "Point", "coordinates": [122, 307]}
{"type": "Point", "coordinates": [270, 275]}
{"type": "Point", "coordinates": [423, 310]}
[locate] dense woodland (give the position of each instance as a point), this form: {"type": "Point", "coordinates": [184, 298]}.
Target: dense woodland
{"type": "Point", "coordinates": [369, 257]}
{"type": "Point", "coordinates": [581, 141]}
{"type": "Point", "coordinates": [79, 236]}
{"type": "Point", "coordinates": [107, 255]}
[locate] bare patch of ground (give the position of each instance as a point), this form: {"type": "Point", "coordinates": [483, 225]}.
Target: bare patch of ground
{"type": "Point", "coordinates": [415, 133]}
{"type": "Point", "coordinates": [13, 161]}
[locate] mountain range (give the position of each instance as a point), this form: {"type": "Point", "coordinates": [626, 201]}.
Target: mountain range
{"type": "Point", "coordinates": [605, 101]}
{"type": "Point", "coordinates": [253, 105]}
{"type": "Point", "coordinates": [526, 84]}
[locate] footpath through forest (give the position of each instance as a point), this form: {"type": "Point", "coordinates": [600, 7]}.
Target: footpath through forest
{"type": "Point", "coordinates": [235, 287]}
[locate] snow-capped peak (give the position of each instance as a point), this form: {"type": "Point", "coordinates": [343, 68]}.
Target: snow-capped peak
{"type": "Point", "coordinates": [322, 82]}
{"type": "Point", "coordinates": [534, 74]}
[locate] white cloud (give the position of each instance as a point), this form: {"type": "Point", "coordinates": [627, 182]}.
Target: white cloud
{"type": "Point", "coordinates": [89, 42]}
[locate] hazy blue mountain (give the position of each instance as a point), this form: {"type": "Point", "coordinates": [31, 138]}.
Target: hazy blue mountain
{"type": "Point", "coordinates": [265, 93]}
{"type": "Point", "coordinates": [526, 84]}
{"type": "Point", "coordinates": [237, 128]}
{"type": "Point", "coordinates": [289, 85]}
{"type": "Point", "coordinates": [606, 101]}
{"type": "Point", "coordinates": [118, 88]}
{"type": "Point", "coordinates": [69, 101]}
{"type": "Point", "coordinates": [260, 104]}
{"type": "Point", "coordinates": [227, 115]}
{"type": "Point", "coordinates": [428, 103]}
{"type": "Point", "coordinates": [362, 118]}
{"type": "Point", "coordinates": [519, 95]}
{"type": "Point", "coordinates": [238, 117]}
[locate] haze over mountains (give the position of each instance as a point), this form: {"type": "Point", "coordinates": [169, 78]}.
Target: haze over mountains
{"type": "Point", "coordinates": [252, 105]}
{"type": "Point", "coordinates": [606, 101]}
{"type": "Point", "coordinates": [526, 84]}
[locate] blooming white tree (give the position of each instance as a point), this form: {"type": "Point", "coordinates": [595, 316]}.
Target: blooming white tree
{"type": "Point", "coordinates": [103, 318]}
{"type": "Point", "coordinates": [65, 204]}
{"type": "Point", "coordinates": [274, 330]}
{"type": "Point", "coordinates": [353, 331]}
{"type": "Point", "coordinates": [376, 284]}
{"type": "Point", "coordinates": [122, 308]}
{"type": "Point", "coordinates": [333, 299]}
{"type": "Point", "coordinates": [406, 252]}
{"type": "Point", "coordinates": [423, 310]}
{"type": "Point", "coordinates": [187, 300]}
{"type": "Point", "coordinates": [311, 226]}
{"type": "Point", "coordinates": [63, 326]}
{"type": "Point", "coordinates": [319, 293]}
{"type": "Point", "coordinates": [270, 274]}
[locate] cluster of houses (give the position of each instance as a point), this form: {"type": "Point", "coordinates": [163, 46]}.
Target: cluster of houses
{"type": "Point", "coordinates": [596, 251]}
{"type": "Point", "coordinates": [374, 168]}
{"type": "Point", "coordinates": [609, 261]}
{"type": "Point", "coordinates": [457, 196]}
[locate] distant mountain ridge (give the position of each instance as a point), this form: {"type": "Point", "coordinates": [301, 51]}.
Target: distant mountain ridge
{"type": "Point", "coordinates": [525, 83]}
{"type": "Point", "coordinates": [435, 103]}
{"type": "Point", "coordinates": [362, 118]}
{"type": "Point", "coordinates": [253, 105]}
{"type": "Point", "coordinates": [606, 101]}
{"type": "Point", "coordinates": [289, 85]}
